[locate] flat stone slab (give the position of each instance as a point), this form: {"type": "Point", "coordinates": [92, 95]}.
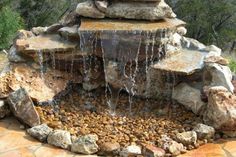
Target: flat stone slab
{"type": "Point", "coordinates": [186, 62]}
{"type": "Point", "coordinates": [44, 43]}
{"type": "Point", "coordinates": [99, 25]}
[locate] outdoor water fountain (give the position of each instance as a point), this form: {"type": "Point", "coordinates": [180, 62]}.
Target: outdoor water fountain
{"type": "Point", "coordinates": [112, 70]}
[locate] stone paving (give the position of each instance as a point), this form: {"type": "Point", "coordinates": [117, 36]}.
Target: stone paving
{"type": "Point", "coordinates": [14, 142]}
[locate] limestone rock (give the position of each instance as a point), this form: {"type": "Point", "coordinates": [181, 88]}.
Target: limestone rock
{"type": "Point", "coordinates": [175, 148]}
{"type": "Point", "coordinates": [192, 44]}
{"type": "Point", "coordinates": [132, 150]}
{"type": "Point", "coordinates": [39, 30]}
{"type": "Point", "coordinates": [15, 56]}
{"type": "Point", "coordinates": [22, 107]}
{"type": "Point", "coordinates": [85, 145]}
{"type": "Point", "coordinates": [187, 138]}
{"type": "Point", "coordinates": [176, 39]}
{"type": "Point", "coordinates": [24, 34]}
{"type": "Point", "coordinates": [45, 44]}
{"type": "Point", "coordinates": [60, 138]}
{"type": "Point", "coordinates": [221, 109]}
{"type": "Point", "coordinates": [109, 148]}
{"type": "Point", "coordinates": [40, 132]}
{"type": "Point", "coordinates": [70, 19]}
{"type": "Point", "coordinates": [70, 33]}
{"type": "Point", "coordinates": [182, 30]}
{"type": "Point", "coordinates": [30, 78]}
{"type": "Point", "coordinates": [218, 75]}
{"type": "Point", "coordinates": [192, 101]}
{"type": "Point", "coordinates": [53, 28]}
{"type": "Point", "coordinates": [4, 109]}
{"type": "Point", "coordinates": [152, 151]}
{"type": "Point", "coordinates": [216, 59]}
{"type": "Point", "coordinates": [101, 5]}
{"type": "Point", "coordinates": [89, 9]}
{"type": "Point", "coordinates": [204, 131]}
{"type": "Point", "coordinates": [213, 48]}
{"type": "Point", "coordinates": [139, 10]}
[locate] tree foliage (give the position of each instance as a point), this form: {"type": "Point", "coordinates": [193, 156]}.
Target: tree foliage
{"type": "Point", "coordinates": [42, 12]}
{"type": "Point", "coordinates": [10, 22]}
{"type": "Point", "coordinates": [210, 21]}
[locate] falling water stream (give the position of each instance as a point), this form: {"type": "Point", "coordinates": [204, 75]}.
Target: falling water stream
{"type": "Point", "coordinates": [125, 55]}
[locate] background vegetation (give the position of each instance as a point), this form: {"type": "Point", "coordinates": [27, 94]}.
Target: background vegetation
{"type": "Point", "coordinates": [209, 21]}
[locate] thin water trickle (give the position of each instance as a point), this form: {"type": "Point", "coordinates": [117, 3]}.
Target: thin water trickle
{"type": "Point", "coordinates": [40, 59]}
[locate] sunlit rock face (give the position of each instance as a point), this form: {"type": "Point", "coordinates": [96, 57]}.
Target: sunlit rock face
{"type": "Point", "coordinates": [42, 86]}
{"type": "Point", "coordinates": [139, 10]}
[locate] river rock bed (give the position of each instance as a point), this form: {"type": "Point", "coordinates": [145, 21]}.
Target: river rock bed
{"type": "Point", "coordinates": [147, 123]}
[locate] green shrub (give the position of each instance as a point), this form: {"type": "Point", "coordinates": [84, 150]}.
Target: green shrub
{"type": "Point", "coordinates": [232, 65]}
{"type": "Point", "coordinates": [10, 22]}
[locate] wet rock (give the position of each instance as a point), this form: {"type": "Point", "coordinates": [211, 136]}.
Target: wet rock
{"type": "Point", "coordinates": [40, 132]}
{"type": "Point", "coordinates": [4, 109]}
{"type": "Point", "coordinates": [187, 138]}
{"type": "Point", "coordinates": [186, 62]}
{"type": "Point", "coordinates": [139, 10]}
{"type": "Point", "coordinates": [175, 148]}
{"type": "Point", "coordinates": [218, 75]}
{"type": "Point", "coordinates": [23, 108]}
{"type": "Point", "coordinates": [85, 145]}
{"type": "Point", "coordinates": [43, 43]}
{"type": "Point", "coordinates": [15, 56]}
{"type": "Point", "coordinates": [193, 101]}
{"type": "Point", "coordinates": [101, 5]}
{"type": "Point", "coordinates": [216, 59]}
{"type": "Point", "coordinates": [192, 44]}
{"type": "Point", "coordinates": [70, 33]}
{"type": "Point", "coordinates": [221, 109]}
{"type": "Point", "coordinates": [109, 148]}
{"type": "Point", "coordinates": [60, 138]}
{"type": "Point", "coordinates": [204, 131]}
{"type": "Point", "coordinates": [89, 106]}
{"type": "Point", "coordinates": [153, 151]}
{"type": "Point", "coordinates": [89, 9]}
{"type": "Point", "coordinates": [89, 86]}
{"type": "Point", "coordinates": [53, 28]}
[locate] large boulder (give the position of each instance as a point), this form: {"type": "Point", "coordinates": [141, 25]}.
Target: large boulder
{"type": "Point", "coordinates": [189, 97]}
{"type": "Point", "coordinates": [86, 145]}
{"type": "Point", "coordinates": [23, 108]}
{"type": "Point", "coordinates": [221, 109]}
{"type": "Point", "coordinates": [218, 75]}
{"type": "Point", "coordinates": [139, 10]}
{"type": "Point", "coordinates": [40, 132]}
{"type": "Point", "coordinates": [60, 138]}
